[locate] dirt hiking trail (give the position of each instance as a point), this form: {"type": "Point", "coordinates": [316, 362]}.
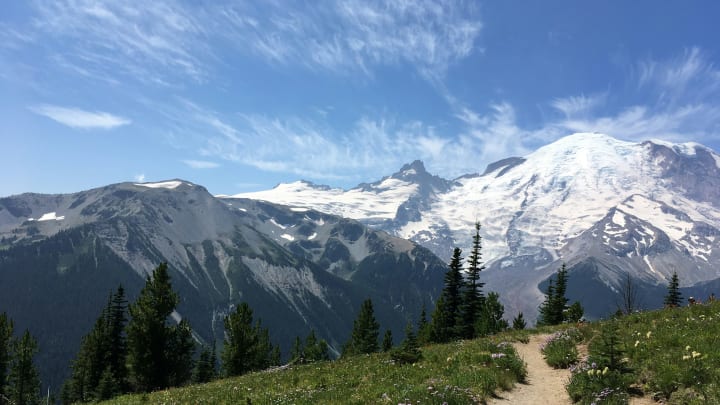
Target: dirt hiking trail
{"type": "Point", "coordinates": [543, 385]}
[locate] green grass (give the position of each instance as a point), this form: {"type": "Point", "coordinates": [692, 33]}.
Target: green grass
{"type": "Point", "coordinates": [457, 373]}
{"type": "Point", "coordinates": [560, 349]}
{"type": "Point", "coordinates": [669, 355]}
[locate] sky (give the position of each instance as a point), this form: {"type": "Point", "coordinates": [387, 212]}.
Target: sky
{"type": "Point", "coordinates": [241, 95]}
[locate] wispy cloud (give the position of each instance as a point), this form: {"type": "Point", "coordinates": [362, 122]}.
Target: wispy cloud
{"type": "Point", "coordinates": [690, 74]}
{"type": "Point", "coordinates": [140, 178]}
{"type": "Point", "coordinates": [353, 35]}
{"type": "Point", "coordinates": [164, 42]}
{"type": "Point", "coordinates": [201, 164]}
{"type": "Point", "coordinates": [682, 102]}
{"type": "Point", "coordinates": [578, 105]}
{"type": "Point", "coordinates": [77, 118]}
{"type": "Point", "coordinates": [152, 43]}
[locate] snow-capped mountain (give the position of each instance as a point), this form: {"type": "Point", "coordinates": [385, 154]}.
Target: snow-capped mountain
{"type": "Point", "coordinates": [648, 208]}
{"type": "Point", "coordinates": [299, 269]}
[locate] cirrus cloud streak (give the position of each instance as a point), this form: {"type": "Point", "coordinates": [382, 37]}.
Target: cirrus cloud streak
{"type": "Point", "coordinates": [78, 118]}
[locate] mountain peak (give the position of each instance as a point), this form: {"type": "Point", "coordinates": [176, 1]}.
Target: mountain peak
{"type": "Point", "coordinates": [416, 167]}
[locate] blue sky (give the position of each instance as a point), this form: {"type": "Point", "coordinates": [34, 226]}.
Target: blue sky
{"type": "Point", "coordinates": [239, 96]}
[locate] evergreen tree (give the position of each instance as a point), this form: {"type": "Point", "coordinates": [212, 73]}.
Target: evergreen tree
{"type": "Point", "coordinates": [387, 342]}
{"type": "Point", "coordinates": [545, 315]}
{"type": "Point", "coordinates": [6, 339]}
{"type": "Point", "coordinates": [247, 347]}
{"type": "Point", "coordinates": [315, 350]}
{"type": "Point", "coordinates": [491, 316]}
{"type": "Point", "coordinates": [99, 371]}
{"type": "Point", "coordinates": [275, 356]}
{"type": "Point", "coordinates": [409, 350]}
{"type": "Point", "coordinates": [364, 337]}
{"type": "Point", "coordinates": [296, 354]}
{"type": "Point", "coordinates": [607, 349]}
{"type": "Point", "coordinates": [117, 354]}
{"type": "Point", "coordinates": [180, 351]}
{"type": "Point", "coordinates": [439, 330]}
{"type": "Point", "coordinates": [157, 352]}
{"type": "Point", "coordinates": [674, 296]}
{"type": "Point", "coordinates": [447, 308]}
{"type": "Point", "coordinates": [574, 313]}
{"type": "Point", "coordinates": [205, 370]}
{"type": "Point", "coordinates": [559, 301]}
{"type": "Point", "coordinates": [424, 328]}
{"type": "Point", "coordinates": [519, 322]}
{"type": "Point", "coordinates": [472, 297]}
{"type": "Point", "coordinates": [23, 380]}
{"type": "Point", "coordinates": [264, 348]}
{"type": "Point", "coordinates": [553, 309]}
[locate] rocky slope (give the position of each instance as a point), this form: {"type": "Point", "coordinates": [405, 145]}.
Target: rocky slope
{"type": "Point", "coordinates": [61, 255]}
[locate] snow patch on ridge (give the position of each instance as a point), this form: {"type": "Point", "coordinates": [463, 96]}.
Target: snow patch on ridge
{"type": "Point", "coordinates": [163, 184]}
{"type": "Point", "coordinates": [653, 213]}
{"type": "Point", "coordinates": [49, 217]}
{"type": "Point", "coordinates": [381, 202]}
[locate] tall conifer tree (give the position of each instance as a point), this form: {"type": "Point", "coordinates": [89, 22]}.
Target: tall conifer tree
{"type": "Point", "coordinates": [364, 338]}
{"type": "Point", "coordinates": [157, 351]}
{"type": "Point", "coordinates": [424, 328]}
{"type": "Point", "coordinates": [447, 309]}
{"type": "Point", "coordinates": [23, 379]}
{"type": "Point", "coordinates": [387, 342]}
{"type": "Point", "coordinates": [247, 347]}
{"type": "Point", "coordinates": [674, 296]}
{"type": "Point", "coordinates": [472, 298]}
{"type": "Point", "coordinates": [99, 370]}
{"type": "Point", "coordinates": [559, 301]}
{"type": "Point", "coordinates": [6, 334]}
{"type": "Point", "coordinates": [545, 315]}
{"type": "Point", "coordinates": [117, 320]}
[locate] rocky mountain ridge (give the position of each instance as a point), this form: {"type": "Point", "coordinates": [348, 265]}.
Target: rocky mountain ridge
{"type": "Point", "coordinates": [646, 208]}
{"type": "Point", "coordinates": [300, 269]}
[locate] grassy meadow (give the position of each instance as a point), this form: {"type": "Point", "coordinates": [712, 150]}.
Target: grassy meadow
{"type": "Point", "coordinates": [462, 372]}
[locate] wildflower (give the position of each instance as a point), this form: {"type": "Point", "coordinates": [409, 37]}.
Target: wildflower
{"type": "Point", "coordinates": [593, 365]}
{"type": "Point", "coordinates": [695, 354]}
{"type": "Point", "coordinates": [687, 348]}
{"type": "Point", "coordinates": [637, 342]}
{"type": "Point", "coordinates": [686, 357]}
{"type": "Point", "coordinates": [591, 372]}
{"type": "Point", "coordinates": [605, 370]}
{"type": "Point", "coordinates": [647, 335]}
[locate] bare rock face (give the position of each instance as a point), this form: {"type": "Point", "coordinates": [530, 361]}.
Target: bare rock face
{"type": "Point", "coordinates": [299, 269]}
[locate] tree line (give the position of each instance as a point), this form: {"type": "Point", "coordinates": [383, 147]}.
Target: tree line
{"type": "Point", "coordinates": [139, 347]}
{"type": "Point", "coordinates": [19, 380]}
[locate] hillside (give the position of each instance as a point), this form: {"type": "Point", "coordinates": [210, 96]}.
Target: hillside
{"type": "Point", "coordinates": [61, 255]}
{"type": "Point", "coordinates": [457, 373]}
{"type": "Point", "coordinates": [656, 347]}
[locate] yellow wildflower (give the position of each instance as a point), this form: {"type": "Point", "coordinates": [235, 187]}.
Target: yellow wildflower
{"type": "Point", "coordinates": [647, 335]}
{"type": "Point", "coordinates": [687, 348]}
{"type": "Point", "coordinates": [695, 354]}
{"type": "Point", "coordinates": [605, 370]}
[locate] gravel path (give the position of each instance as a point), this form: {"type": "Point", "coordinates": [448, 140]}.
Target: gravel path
{"type": "Point", "coordinates": [544, 385]}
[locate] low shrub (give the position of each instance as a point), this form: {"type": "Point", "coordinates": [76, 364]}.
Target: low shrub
{"type": "Point", "coordinates": [560, 349]}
